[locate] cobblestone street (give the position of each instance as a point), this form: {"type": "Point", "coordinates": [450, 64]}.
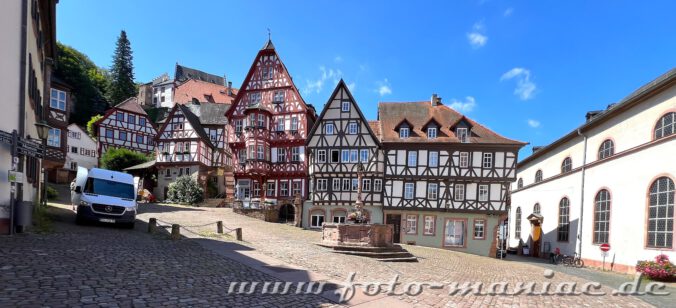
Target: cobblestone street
{"type": "Point", "coordinates": [104, 266]}
{"type": "Point", "coordinates": [296, 246]}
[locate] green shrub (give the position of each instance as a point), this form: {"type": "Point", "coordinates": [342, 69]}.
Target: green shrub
{"type": "Point", "coordinates": [185, 190]}
{"type": "Point", "coordinates": [117, 159]}
{"type": "Point", "coordinates": [52, 193]}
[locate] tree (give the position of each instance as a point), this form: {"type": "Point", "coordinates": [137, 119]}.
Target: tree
{"type": "Point", "coordinates": [185, 190]}
{"type": "Point", "coordinates": [91, 130]}
{"type": "Point", "coordinates": [122, 84]}
{"type": "Point", "coordinates": [119, 158]}
{"type": "Point", "coordinates": [89, 82]}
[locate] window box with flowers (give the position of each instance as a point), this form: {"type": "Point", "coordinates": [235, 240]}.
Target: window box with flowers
{"type": "Point", "coordinates": [661, 269]}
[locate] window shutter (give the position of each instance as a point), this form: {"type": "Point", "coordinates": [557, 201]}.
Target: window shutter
{"type": "Point", "coordinates": [301, 151]}
{"type": "Point", "coordinates": [287, 124]}
{"type": "Point", "coordinates": [274, 155]}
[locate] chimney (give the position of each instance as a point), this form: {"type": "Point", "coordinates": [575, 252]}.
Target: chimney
{"type": "Point", "coordinates": [592, 114]}
{"type": "Point", "coordinates": [230, 88]}
{"type": "Point", "coordinates": [435, 100]}
{"type": "Point", "coordinates": [225, 80]}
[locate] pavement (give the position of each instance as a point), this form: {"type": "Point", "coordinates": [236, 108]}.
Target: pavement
{"type": "Point", "coordinates": [104, 266]}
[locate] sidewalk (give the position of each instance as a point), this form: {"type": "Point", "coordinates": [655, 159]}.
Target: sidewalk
{"type": "Point", "coordinates": [608, 278]}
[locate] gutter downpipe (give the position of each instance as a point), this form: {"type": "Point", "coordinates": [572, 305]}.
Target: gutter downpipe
{"type": "Point", "coordinates": [584, 168]}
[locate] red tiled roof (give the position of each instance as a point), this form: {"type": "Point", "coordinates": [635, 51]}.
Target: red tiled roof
{"type": "Point", "coordinates": [375, 127]}
{"type": "Point", "coordinates": [203, 92]}
{"type": "Point", "coordinates": [131, 104]}
{"type": "Point", "coordinates": [419, 114]}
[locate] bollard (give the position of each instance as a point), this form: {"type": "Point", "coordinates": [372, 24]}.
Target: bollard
{"type": "Point", "coordinates": [175, 232]}
{"type": "Point", "coordinates": [219, 227]}
{"type": "Point", "coordinates": [152, 225]}
{"type": "Point", "coordinates": [238, 232]}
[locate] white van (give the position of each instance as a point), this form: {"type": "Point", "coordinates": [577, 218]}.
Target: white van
{"type": "Point", "coordinates": [105, 196]}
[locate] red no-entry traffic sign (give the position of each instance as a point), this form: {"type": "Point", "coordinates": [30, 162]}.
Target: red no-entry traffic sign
{"type": "Point", "coordinates": [605, 247]}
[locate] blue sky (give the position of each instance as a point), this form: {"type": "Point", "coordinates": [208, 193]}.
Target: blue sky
{"type": "Point", "coordinates": [529, 70]}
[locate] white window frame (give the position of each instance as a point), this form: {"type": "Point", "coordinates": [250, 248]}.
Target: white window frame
{"type": "Point", "coordinates": [56, 100]}
{"type": "Point", "coordinates": [295, 154]}
{"type": "Point", "coordinates": [321, 156]}
{"type": "Point", "coordinates": [284, 188]}
{"type": "Point", "coordinates": [322, 184]}
{"type": "Point", "coordinates": [366, 185]}
{"type": "Point", "coordinates": [281, 155]}
{"type": "Point", "coordinates": [377, 185]}
{"type": "Point", "coordinates": [431, 132]}
{"type": "Point", "coordinates": [355, 184]}
{"type": "Point", "coordinates": [404, 132]}
{"type": "Point", "coordinates": [280, 124]}
{"type": "Point", "coordinates": [329, 129]}
{"type": "Point", "coordinates": [346, 184]}
{"type": "Point", "coordinates": [335, 185]}
{"type": "Point", "coordinates": [314, 219]}
{"type": "Point", "coordinates": [459, 192]}
{"type": "Point", "coordinates": [337, 160]}
{"type": "Point", "coordinates": [261, 120]}
{"type": "Point", "coordinates": [412, 155]}
{"type": "Point", "coordinates": [432, 191]}
{"type": "Point", "coordinates": [461, 236]}
{"type": "Point", "coordinates": [345, 106]}
{"type": "Point", "coordinates": [270, 189]}
{"type": "Point", "coordinates": [54, 138]}
{"type": "Point", "coordinates": [364, 156]}
{"type": "Point", "coordinates": [409, 191]}
{"type": "Point", "coordinates": [238, 126]}
{"type": "Point", "coordinates": [345, 156]}
{"type": "Point", "coordinates": [294, 123]}
{"type": "Point", "coordinates": [479, 234]}
{"type": "Point", "coordinates": [462, 133]}
{"type": "Point", "coordinates": [464, 159]}
{"type": "Point", "coordinates": [429, 225]}
{"type": "Point", "coordinates": [411, 224]}
{"type": "Point", "coordinates": [260, 152]}
{"type": "Point", "coordinates": [484, 192]}
{"type": "Point", "coordinates": [352, 128]}
{"type": "Point", "coordinates": [488, 160]}
{"type": "Point", "coordinates": [354, 156]}
{"type": "Point", "coordinates": [434, 162]}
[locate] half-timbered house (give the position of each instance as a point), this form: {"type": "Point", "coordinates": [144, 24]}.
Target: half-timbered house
{"type": "Point", "coordinates": [269, 124]}
{"type": "Point", "coordinates": [126, 126]}
{"type": "Point", "coordinates": [446, 176]}
{"type": "Point", "coordinates": [192, 142]}
{"type": "Point", "coordinates": [57, 112]}
{"type": "Point", "coordinates": [343, 149]}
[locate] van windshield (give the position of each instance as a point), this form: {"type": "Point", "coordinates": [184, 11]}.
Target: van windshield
{"type": "Point", "coordinates": [109, 188]}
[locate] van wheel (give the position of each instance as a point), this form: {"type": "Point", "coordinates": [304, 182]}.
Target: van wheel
{"type": "Point", "coordinates": [79, 220]}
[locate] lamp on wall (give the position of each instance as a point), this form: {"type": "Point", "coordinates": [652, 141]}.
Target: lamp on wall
{"type": "Point", "coordinates": [43, 129]}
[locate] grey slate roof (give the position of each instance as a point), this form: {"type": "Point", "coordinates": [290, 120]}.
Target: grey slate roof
{"type": "Point", "coordinates": [184, 73]}
{"type": "Point", "coordinates": [195, 122]}
{"type": "Point", "coordinates": [210, 113]}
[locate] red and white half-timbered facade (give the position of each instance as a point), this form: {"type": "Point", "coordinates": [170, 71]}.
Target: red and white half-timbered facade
{"type": "Point", "coordinates": [126, 126]}
{"type": "Point", "coordinates": [268, 126]}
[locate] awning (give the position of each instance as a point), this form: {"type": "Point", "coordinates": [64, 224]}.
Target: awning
{"type": "Point", "coordinates": [145, 165]}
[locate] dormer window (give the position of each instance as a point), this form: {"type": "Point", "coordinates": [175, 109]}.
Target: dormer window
{"type": "Point", "coordinates": [462, 134]}
{"type": "Point", "coordinates": [345, 106]}
{"type": "Point", "coordinates": [404, 132]}
{"type": "Point", "coordinates": [431, 132]}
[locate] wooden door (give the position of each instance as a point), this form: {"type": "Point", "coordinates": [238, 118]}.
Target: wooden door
{"type": "Point", "coordinates": [394, 219]}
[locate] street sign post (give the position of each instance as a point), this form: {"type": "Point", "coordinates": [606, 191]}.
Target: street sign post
{"type": "Point", "coordinates": [605, 247]}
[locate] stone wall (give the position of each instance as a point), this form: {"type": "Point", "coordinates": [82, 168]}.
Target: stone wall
{"type": "Point", "coordinates": [269, 215]}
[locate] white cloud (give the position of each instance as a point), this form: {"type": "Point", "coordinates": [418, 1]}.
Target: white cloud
{"type": "Point", "coordinates": [533, 123]}
{"type": "Point", "coordinates": [508, 12]}
{"type": "Point", "coordinates": [525, 89]}
{"type": "Point", "coordinates": [477, 38]}
{"type": "Point", "coordinates": [338, 59]}
{"type": "Point", "coordinates": [384, 87]}
{"type": "Point", "coordinates": [464, 106]}
{"type": "Point", "coordinates": [317, 85]}
{"type": "Point", "coordinates": [352, 86]}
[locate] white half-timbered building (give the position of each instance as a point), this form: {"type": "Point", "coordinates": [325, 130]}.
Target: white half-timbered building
{"type": "Point", "coordinates": [341, 146]}
{"type": "Point", "coordinates": [192, 142]}
{"type": "Point", "coordinates": [126, 126]}
{"type": "Point", "coordinates": [268, 125]}
{"type": "Point", "coordinates": [446, 176]}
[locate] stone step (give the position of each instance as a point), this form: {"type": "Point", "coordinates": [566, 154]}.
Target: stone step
{"type": "Point", "coordinates": [406, 259]}
{"type": "Point", "coordinates": [378, 255]}
{"type": "Point", "coordinates": [395, 248]}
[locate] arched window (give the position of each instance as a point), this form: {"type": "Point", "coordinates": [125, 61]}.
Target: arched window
{"type": "Point", "coordinates": [538, 176]}
{"type": "Point", "coordinates": [666, 125]}
{"type": "Point", "coordinates": [602, 217]}
{"type": "Point", "coordinates": [566, 165]}
{"type": "Point", "coordinates": [536, 208]}
{"type": "Point", "coordinates": [519, 183]}
{"type": "Point", "coordinates": [564, 220]}
{"type": "Point", "coordinates": [661, 214]}
{"type": "Point", "coordinates": [517, 223]}
{"type": "Point", "coordinates": [607, 149]}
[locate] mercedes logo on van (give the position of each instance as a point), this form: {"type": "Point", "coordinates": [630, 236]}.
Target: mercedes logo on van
{"type": "Point", "coordinates": [109, 208]}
